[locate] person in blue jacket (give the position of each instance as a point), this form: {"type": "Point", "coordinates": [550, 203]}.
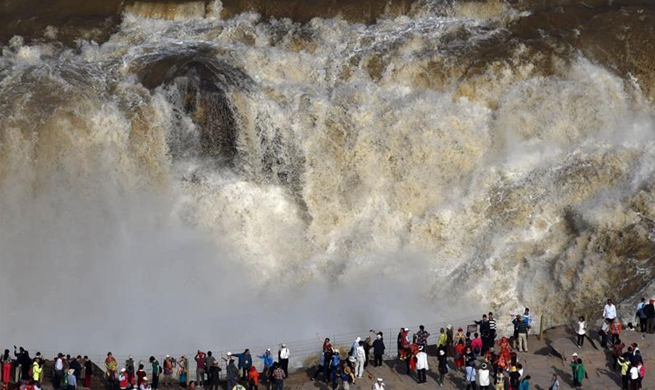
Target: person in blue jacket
{"type": "Point", "coordinates": [335, 375]}
{"type": "Point", "coordinates": [268, 363]}
{"type": "Point", "coordinates": [245, 362]}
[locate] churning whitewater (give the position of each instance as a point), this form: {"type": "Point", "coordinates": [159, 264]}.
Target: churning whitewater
{"type": "Point", "coordinates": [202, 178]}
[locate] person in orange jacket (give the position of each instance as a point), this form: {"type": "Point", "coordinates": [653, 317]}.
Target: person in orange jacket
{"type": "Point", "coordinates": [253, 378]}
{"type": "Point", "coordinates": [615, 330]}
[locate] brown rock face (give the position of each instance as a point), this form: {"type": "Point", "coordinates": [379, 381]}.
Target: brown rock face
{"type": "Point", "coordinates": [619, 35]}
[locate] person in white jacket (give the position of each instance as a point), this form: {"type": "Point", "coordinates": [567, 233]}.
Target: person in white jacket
{"type": "Point", "coordinates": [422, 365]}
{"type": "Point", "coordinates": [483, 377]}
{"type": "Point", "coordinates": [361, 359]}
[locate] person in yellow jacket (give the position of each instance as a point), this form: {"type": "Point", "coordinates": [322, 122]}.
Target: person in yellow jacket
{"type": "Point", "coordinates": [625, 366]}
{"type": "Point", "coordinates": [37, 370]}
{"type": "Point", "coordinates": [443, 339]}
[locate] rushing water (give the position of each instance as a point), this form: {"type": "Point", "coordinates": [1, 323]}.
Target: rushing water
{"type": "Point", "coordinates": [233, 179]}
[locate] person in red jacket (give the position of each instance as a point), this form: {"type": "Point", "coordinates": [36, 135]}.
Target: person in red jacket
{"type": "Point", "coordinates": [253, 379]}
{"type": "Point", "coordinates": [459, 355]}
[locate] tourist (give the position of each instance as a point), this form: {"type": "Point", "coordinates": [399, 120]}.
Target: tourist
{"type": "Point", "coordinates": [335, 366]}
{"type": "Point", "coordinates": [460, 336]}
{"type": "Point", "coordinates": [283, 355]}
{"type": "Point", "coordinates": [492, 330]}
{"type": "Point", "coordinates": [615, 330]}
{"type": "Point", "coordinates": [327, 359]}
{"type": "Point", "coordinates": [88, 372]}
{"type": "Point", "coordinates": [604, 333]}
{"type": "Point", "coordinates": [6, 367]}
{"type": "Point", "coordinates": [422, 364]}
{"type": "Point", "coordinates": [253, 378]}
{"type": "Point", "coordinates": [641, 315]}
{"type": "Point", "coordinates": [278, 375]}
{"type": "Point", "coordinates": [245, 362]}
{"type": "Point", "coordinates": [24, 361]}
{"type": "Point", "coordinates": [59, 370]}
{"type": "Point", "coordinates": [514, 378]}
{"type": "Point", "coordinates": [470, 369]}
{"type": "Point", "coordinates": [110, 368]}
{"type": "Point", "coordinates": [368, 344]}
{"type": "Point", "coordinates": [484, 332]}
{"type": "Point", "coordinates": [642, 372]}
{"type": "Point", "coordinates": [477, 345]}
{"type": "Point", "coordinates": [122, 379]}
{"type": "Point", "coordinates": [525, 383]}
{"type": "Point", "coordinates": [156, 371]}
{"type": "Point", "coordinates": [422, 336]}
{"type": "Point", "coordinates": [499, 379]}
{"type": "Point", "coordinates": [192, 385]}
{"type": "Point", "coordinates": [37, 370]}
{"type": "Point", "coordinates": [321, 366]}
{"type": "Point", "coordinates": [201, 360]}
{"type": "Point", "coordinates": [268, 363]}
{"type": "Point", "coordinates": [617, 352]}
{"type": "Point", "coordinates": [347, 376]}
{"type": "Point", "coordinates": [649, 311]}
{"type": "Point", "coordinates": [378, 385]}
{"type": "Point", "coordinates": [484, 377]}
{"type": "Point", "coordinates": [527, 318]}
{"type": "Point", "coordinates": [443, 366]}
{"type": "Point", "coordinates": [214, 375]}
{"type": "Point", "coordinates": [459, 355]}
{"type": "Point", "coordinates": [625, 371]}
{"type": "Point", "coordinates": [522, 327]}
{"type": "Point", "coordinates": [182, 371]}
{"type": "Point", "coordinates": [442, 340]}
{"type": "Point", "coordinates": [232, 374]}
{"type": "Point", "coordinates": [609, 311]}
{"type": "Point", "coordinates": [144, 385]}
{"type": "Point", "coordinates": [579, 373]}
{"type": "Point", "coordinates": [405, 352]}
{"type": "Point", "coordinates": [71, 380]}
{"type": "Point", "coordinates": [76, 366]}
{"type": "Point", "coordinates": [361, 358]}
{"type": "Point", "coordinates": [378, 351]}
{"type": "Point", "coordinates": [168, 370]}
{"type": "Point", "coordinates": [554, 383]}
{"type": "Point", "coordinates": [634, 377]}
{"type": "Point", "coordinates": [129, 363]}
{"type": "Point", "coordinates": [209, 363]}
{"type": "Point", "coordinates": [580, 331]}
{"type": "Point", "coordinates": [140, 374]}
{"type": "Point", "coordinates": [450, 346]}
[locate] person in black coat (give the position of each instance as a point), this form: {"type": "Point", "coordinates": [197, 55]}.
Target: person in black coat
{"type": "Point", "coordinates": [378, 351]}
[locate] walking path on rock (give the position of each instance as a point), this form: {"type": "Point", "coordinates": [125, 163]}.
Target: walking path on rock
{"type": "Point", "coordinates": [545, 357]}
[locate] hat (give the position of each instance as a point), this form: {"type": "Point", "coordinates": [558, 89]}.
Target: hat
{"type": "Point", "coordinates": [145, 378]}
{"type": "Point", "coordinates": [459, 329]}
{"type": "Point", "coordinates": [420, 348]}
{"type": "Point", "coordinates": [380, 380]}
{"type": "Point", "coordinates": [406, 329]}
{"type": "Point", "coordinates": [442, 352]}
{"type": "Point", "coordinates": [484, 365]}
{"type": "Point", "coordinates": [449, 326]}
{"type": "Point", "coordinates": [379, 336]}
{"type": "Point", "coordinates": [168, 356]}
{"type": "Point", "coordinates": [335, 351]}
{"type": "Point", "coordinates": [215, 363]}
{"type": "Point", "coordinates": [283, 345]}
{"type": "Point", "coordinates": [268, 349]}
{"type": "Point", "coordinates": [358, 339]}
{"type": "Point", "coordinates": [123, 369]}
{"type": "Point", "coordinates": [71, 371]}
{"type": "Point", "coordinates": [229, 354]}
{"type": "Point", "coordinates": [574, 354]}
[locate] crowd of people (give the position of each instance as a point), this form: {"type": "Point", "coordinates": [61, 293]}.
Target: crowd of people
{"type": "Point", "coordinates": [485, 361]}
